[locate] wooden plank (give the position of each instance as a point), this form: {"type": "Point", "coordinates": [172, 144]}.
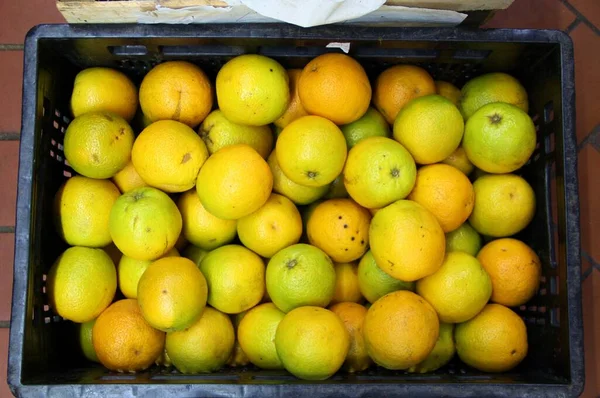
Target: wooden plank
{"type": "Point", "coordinates": [91, 11]}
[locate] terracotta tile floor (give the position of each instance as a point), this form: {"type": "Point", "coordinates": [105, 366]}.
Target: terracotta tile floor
{"type": "Point", "coordinates": [580, 18]}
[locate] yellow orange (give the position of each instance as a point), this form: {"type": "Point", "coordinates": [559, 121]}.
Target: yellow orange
{"type": "Point", "coordinates": [176, 90]}
{"type": "Point", "coordinates": [203, 347]}
{"type": "Point", "coordinates": [235, 277]}
{"type": "Point", "coordinates": [418, 247]}
{"type": "Point", "coordinates": [200, 227]}
{"type": "Point", "coordinates": [299, 194]}
{"type": "Point", "coordinates": [81, 283]}
{"type": "Point", "coordinates": [82, 211]}
{"type": "Point", "coordinates": [104, 90]}
{"type": "Point", "coordinates": [256, 334]}
{"type": "Point", "coordinates": [311, 151]}
{"type": "Point", "coordinates": [252, 90]}
{"type": "Point", "coordinates": [172, 293]}
{"type": "Point", "coordinates": [234, 182]}
{"type": "Point", "coordinates": [168, 156]}
{"type": "Point", "coordinates": [98, 144]}
{"type": "Point", "coordinates": [493, 341]}
{"type": "Point", "coordinates": [312, 343]}
{"type": "Point", "coordinates": [275, 226]}
{"type": "Point", "coordinates": [128, 179]}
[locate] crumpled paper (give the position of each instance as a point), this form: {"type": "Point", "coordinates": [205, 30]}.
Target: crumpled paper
{"type": "Point", "coordinates": [305, 13]}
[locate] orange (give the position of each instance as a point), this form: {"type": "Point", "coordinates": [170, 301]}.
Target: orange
{"type": "Point", "coordinates": [430, 128]}
{"type": "Point", "coordinates": [299, 194]}
{"type": "Point", "coordinates": [128, 179]}
{"type": "Point", "coordinates": [275, 226]}
{"type": "Point", "coordinates": [459, 159]}
{"type": "Point", "coordinates": [340, 227]}
{"type": "Point", "coordinates": [489, 88]}
{"type": "Point", "coordinates": [81, 283]}
{"type": "Point", "coordinates": [397, 85]}
{"type": "Point", "coordinates": [371, 124]}
{"type": "Point", "coordinates": [418, 245]}
{"type": "Point", "coordinates": [400, 330]}
{"type": "Point", "coordinates": [295, 109]}
{"type": "Point", "coordinates": [463, 239]}
{"type": "Point", "coordinates": [200, 227]}
{"type": "Point", "coordinates": [446, 192]}
{"type": "Point", "coordinates": [176, 90]}
{"type": "Point", "coordinates": [336, 87]}
{"type": "Point", "coordinates": [337, 189]}
{"type": "Point", "coordinates": [172, 293]}
{"type": "Point", "coordinates": [379, 171]}
{"type": "Point", "coordinates": [441, 354]}
{"type": "Point", "coordinates": [205, 346]}
{"type": "Point", "coordinates": [514, 268]}
{"type": "Point", "coordinates": [144, 223]}
{"type": "Point", "coordinates": [499, 138]}
{"type": "Point", "coordinates": [235, 277]}
{"type": "Point", "coordinates": [218, 132]}
{"type": "Point", "coordinates": [448, 90]}
{"type": "Point", "coordinates": [504, 205]}
{"type": "Point", "coordinates": [312, 343]}
{"type": "Point", "coordinates": [130, 270]}
{"type": "Point", "coordinates": [353, 315]}
{"type": "Point", "coordinates": [494, 341]}
{"type": "Point", "coordinates": [123, 340]}
{"type": "Point", "coordinates": [104, 90]}
{"type": "Point", "coordinates": [168, 156]}
{"type": "Point", "coordinates": [252, 90]}
{"type": "Point", "coordinates": [98, 144]}
{"type": "Point", "coordinates": [458, 290]}
{"type": "Point", "coordinates": [311, 151]}
{"type": "Point", "coordinates": [346, 283]}
{"type": "Point", "coordinates": [82, 211]}
{"type": "Point", "coordinates": [85, 340]}
{"type": "Point", "coordinates": [256, 334]}
{"type": "Point", "coordinates": [234, 182]}
{"type": "Point", "coordinates": [238, 356]}
{"type": "Point", "coordinates": [374, 283]}
{"type": "Point", "coordinates": [300, 275]}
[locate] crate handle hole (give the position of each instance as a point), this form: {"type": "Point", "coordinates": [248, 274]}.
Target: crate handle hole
{"type": "Point", "coordinates": [555, 317]}
{"type": "Point", "coordinates": [137, 49]}
{"type": "Point", "coordinates": [549, 112]}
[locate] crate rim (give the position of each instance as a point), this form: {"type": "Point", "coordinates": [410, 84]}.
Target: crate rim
{"type": "Point", "coordinates": [339, 33]}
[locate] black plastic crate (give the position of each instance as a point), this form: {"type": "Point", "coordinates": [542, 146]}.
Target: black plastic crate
{"type": "Point", "coordinates": [44, 359]}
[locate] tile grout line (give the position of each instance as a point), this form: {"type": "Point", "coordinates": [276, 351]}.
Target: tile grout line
{"type": "Point", "coordinates": [587, 273]}
{"type": "Point", "coordinates": [590, 137]}
{"type": "Point", "coordinates": [11, 47]}
{"type": "Point", "coordinates": [10, 136]}
{"type": "Point", "coordinates": [7, 230]}
{"type": "Point", "coordinates": [580, 16]}
{"type": "Point", "coordinates": [573, 25]}
{"type": "Point", "coordinates": [593, 265]}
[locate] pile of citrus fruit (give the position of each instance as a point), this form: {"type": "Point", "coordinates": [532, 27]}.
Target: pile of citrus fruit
{"type": "Point", "coordinates": [308, 220]}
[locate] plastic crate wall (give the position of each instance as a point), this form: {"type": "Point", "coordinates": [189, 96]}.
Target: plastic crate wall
{"type": "Point", "coordinates": [47, 357]}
